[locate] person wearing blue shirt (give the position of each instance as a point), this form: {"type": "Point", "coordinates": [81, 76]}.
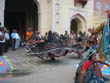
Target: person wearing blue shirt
{"type": "Point", "coordinates": [13, 36]}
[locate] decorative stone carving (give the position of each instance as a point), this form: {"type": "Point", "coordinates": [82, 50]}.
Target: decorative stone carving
{"type": "Point", "coordinates": [57, 6]}
{"type": "Point", "coordinates": [57, 16]}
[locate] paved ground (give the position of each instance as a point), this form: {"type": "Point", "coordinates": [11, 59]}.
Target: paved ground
{"type": "Point", "coordinates": [35, 70]}
{"type": "Point", "coordinates": [60, 71]}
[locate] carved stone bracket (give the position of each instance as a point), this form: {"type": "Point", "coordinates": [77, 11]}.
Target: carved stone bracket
{"type": "Point", "coordinates": [83, 2]}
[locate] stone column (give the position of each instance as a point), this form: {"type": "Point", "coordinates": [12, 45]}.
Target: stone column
{"type": "Point", "coordinates": [53, 15]}
{"type": "Point", "coordinates": [2, 8]}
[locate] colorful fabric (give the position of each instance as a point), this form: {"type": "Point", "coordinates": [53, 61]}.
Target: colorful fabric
{"type": "Point", "coordinates": [98, 29]}
{"type": "Point", "coordinates": [28, 35]}
{"type": "Point", "coordinates": [106, 48]}
{"type": "Point", "coordinates": [105, 40]}
{"type": "Point", "coordinates": [5, 65]}
{"type": "Point", "coordinates": [78, 73]}
{"type": "Point", "coordinates": [105, 70]}
{"type": "Point", "coordinates": [91, 75]}
{"type": "Point", "coordinates": [101, 56]}
{"type": "Point", "coordinates": [85, 66]}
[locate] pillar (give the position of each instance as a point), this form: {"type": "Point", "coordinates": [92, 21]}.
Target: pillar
{"type": "Point", "coordinates": [2, 9]}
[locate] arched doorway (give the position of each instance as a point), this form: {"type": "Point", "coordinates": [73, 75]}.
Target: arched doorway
{"type": "Point", "coordinates": [74, 26]}
{"type": "Point", "coordinates": [78, 23]}
{"type": "Point", "coordinates": [20, 14]}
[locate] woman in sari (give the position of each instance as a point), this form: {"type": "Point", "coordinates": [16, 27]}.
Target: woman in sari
{"type": "Point", "coordinates": [88, 70]}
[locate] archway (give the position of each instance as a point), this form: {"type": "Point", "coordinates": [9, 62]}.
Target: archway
{"type": "Point", "coordinates": [75, 26]}
{"type": "Point", "coordinates": [20, 14]}
{"type": "Point", "coordinates": [78, 23]}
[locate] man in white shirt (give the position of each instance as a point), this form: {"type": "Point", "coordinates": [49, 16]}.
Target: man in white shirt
{"type": "Point", "coordinates": [17, 45]}
{"type": "Point", "coordinates": [13, 36]}
{"type": "Point", "coordinates": [72, 38]}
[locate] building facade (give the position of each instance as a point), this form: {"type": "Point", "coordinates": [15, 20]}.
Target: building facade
{"type": "Point", "coordinates": [67, 16]}
{"type": "Point", "coordinates": [55, 15]}
{"type": "Point", "coordinates": [21, 14]}
{"type": "Point", "coordinates": [100, 8]}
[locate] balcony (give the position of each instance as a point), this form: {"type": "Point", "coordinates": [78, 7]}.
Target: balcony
{"type": "Point", "coordinates": [83, 2]}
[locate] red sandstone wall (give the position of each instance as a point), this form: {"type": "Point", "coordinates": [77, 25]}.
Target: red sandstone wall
{"type": "Point", "coordinates": [103, 2]}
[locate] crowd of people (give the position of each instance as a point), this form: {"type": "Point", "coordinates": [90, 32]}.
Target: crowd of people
{"type": "Point", "coordinates": [67, 39]}
{"type": "Point", "coordinates": [97, 43]}
{"type": "Point", "coordinates": [88, 69]}
{"type": "Point", "coordinates": [5, 39]}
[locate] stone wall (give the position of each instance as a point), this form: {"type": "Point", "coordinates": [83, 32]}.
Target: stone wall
{"type": "Point", "coordinates": [45, 15]}
{"type": "Point", "coordinates": [64, 10]}
{"type": "Point", "coordinates": [2, 7]}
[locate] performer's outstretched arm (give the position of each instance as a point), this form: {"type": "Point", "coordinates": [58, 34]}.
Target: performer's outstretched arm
{"type": "Point", "coordinates": [102, 62]}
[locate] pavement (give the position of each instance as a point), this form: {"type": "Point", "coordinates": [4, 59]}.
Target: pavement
{"type": "Point", "coordinates": [60, 71]}
{"type": "Point", "coordinates": [31, 69]}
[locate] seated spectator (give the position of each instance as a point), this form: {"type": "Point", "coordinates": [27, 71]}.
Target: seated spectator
{"type": "Point", "coordinates": [13, 36]}
{"type": "Point", "coordinates": [50, 36]}
{"type": "Point", "coordinates": [66, 37]}
{"type": "Point", "coordinates": [17, 40]}
{"type": "Point", "coordinates": [29, 33]}
{"type": "Point", "coordinates": [46, 37]}
{"type": "Point", "coordinates": [62, 37]}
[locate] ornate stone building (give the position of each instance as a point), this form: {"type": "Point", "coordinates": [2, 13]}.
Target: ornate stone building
{"type": "Point", "coordinates": [45, 15]}
{"type": "Point", "coordinates": [20, 14]}
{"type": "Point", "coordinates": [100, 8]}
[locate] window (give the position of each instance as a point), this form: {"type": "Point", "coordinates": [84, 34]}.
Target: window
{"type": "Point", "coordinates": [106, 7]}
{"type": "Point", "coordinates": [98, 5]}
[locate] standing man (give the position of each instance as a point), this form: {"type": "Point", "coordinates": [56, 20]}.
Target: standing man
{"type": "Point", "coordinates": [13, 36]}
{"type": "Point", "coordinates": [29, 33]}
{"type": "Point", "coordinates": [6, 45]}
{"type": "Point", "coordinates": [17, 45]}
{"type": "Point", "coordinates": [66, 37]}
{"type": "Point", "coordinates": [2, 41]}
{"type": "Point", "coordinates": [72, 38]}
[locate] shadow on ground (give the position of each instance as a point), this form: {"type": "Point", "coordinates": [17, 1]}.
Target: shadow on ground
{"type": "Point", "coordinates": [15, 73]}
